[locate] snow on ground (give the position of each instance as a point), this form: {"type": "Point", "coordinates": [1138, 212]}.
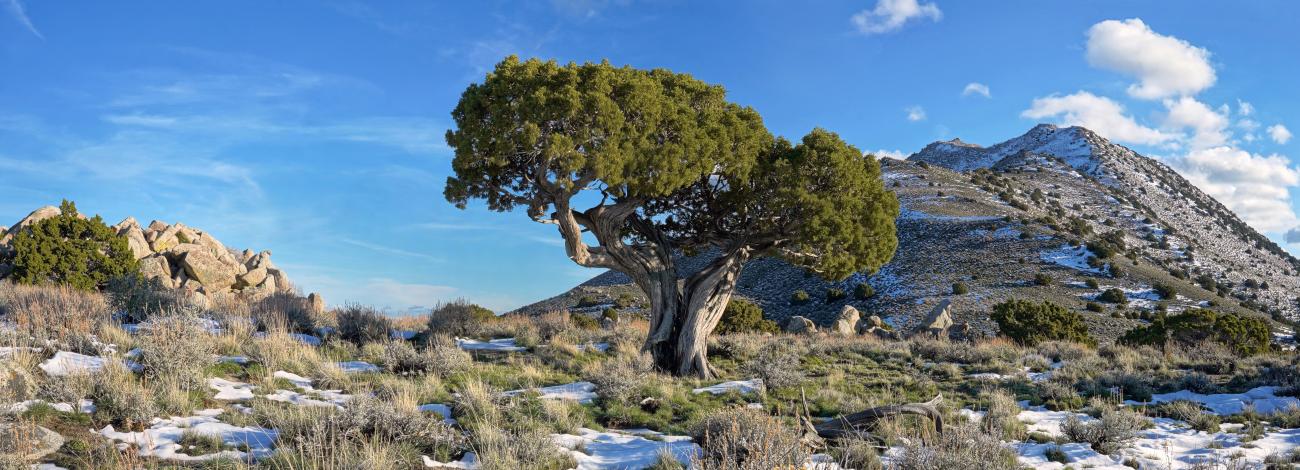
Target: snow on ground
{"type": "Point", "coordinates": [500, 344]}
{"type": "Point", "coordinates": [357, 366]}
{"type": "Point", "coordinates": [160, 439]}
{"type": "Point", "coordinates": [83, 406]}
{"type": "Point", "coordinates": [1070, 257]}
{"type": "Point", "coordinates": [1167, 444]}
{"type": "Point", "coordinates": [1263, 399]}
{"type": "Point", "coordinates": [598, 347]}
{"type": "Point", "coordinates": [402, 334]}
{"type": "Point", "coordinates": [906, 213]}
{"type": "Point", "coordinates": [69, 363]}
{"type": "Point", "coordinates": [230, 390]}
{"type": "Point", "coordinates": [742, 386]}
{"type": "Point", "coordinates": [581, 392]}
{"type": "Point", "coordinates": [241, 360]}
{"type": "Point", "coordinates": [442, 410]}
{"type": "Point", "coordinates": [309, 396]}
{"type": "Point", "coordinates": [9, 351]}
{"type": "Point", "coordinates": [622, 449]}
{"type": "Point", "coordinates": [469, 461]}
{"type": "Point", "coordinates": [306, 339]}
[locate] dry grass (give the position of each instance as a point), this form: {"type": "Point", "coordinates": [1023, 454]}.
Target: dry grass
{"type": "Point", "coordinates": [59, 313]}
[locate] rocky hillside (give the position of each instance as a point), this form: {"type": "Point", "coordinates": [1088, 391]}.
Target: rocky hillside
{"type": "Point", "coordinates": [182, 257]}
{"type": "Point", "coordinates": [1056, 214]}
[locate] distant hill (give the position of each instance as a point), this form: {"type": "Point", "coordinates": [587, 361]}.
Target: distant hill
{"type": "Point", "coordinates": [1004, 219]}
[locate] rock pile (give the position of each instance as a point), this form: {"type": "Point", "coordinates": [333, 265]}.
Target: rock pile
{"type": "Point", "coordinates": [184, 257]}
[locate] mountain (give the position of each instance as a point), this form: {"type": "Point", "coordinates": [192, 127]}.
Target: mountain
{"type": "Point", "coordinates": [1020, 219]}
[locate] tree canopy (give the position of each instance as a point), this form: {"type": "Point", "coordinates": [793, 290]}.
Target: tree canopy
{"type": "Point", "coordinates": [663, 165]}
{"type": "Point", "coordinates": [71, 249]}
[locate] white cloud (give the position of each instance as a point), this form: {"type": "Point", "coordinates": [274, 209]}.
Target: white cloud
{"type": "Point", "coordinates": [891, 15]}
{"type": "Point", "coordinates": [1292, 236]}
{"type": "Point", "coordinates": [1279, 133]}
{"type": "Point", "coordinates": [1256, 187]}
{"type": "Point", "coordinates": [1245, 108]}
{"type": "Point", "coordinates": [1164, 65]}
{"type": "Point", "coordinates": [390, 250]}
{"type": "Point", "coordinates": [915, 113]}
{"type": "Point", "coordinates": [1209, 127]}
{"type": "Point", "coordinates": [975, 88]}
{"type": "Point", "coordinates": [883, 153]}
{"type": "Point", "coordinates": [16, 9]}
{"type": "Point", "coordinates": [1097, 113]}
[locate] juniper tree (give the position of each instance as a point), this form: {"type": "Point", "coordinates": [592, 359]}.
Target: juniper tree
{"type": "Point", "coordinates": [71, 249]}
{"type": "Point", "coordinates": [637, 167]}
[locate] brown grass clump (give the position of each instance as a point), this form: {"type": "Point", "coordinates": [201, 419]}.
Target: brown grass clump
{"type": "Point", "coordinates": [58, 313]}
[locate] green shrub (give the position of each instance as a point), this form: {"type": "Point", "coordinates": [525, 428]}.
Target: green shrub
{"type": "Point", "coordinates": [960, 288]}
{"type": "Point", "coordinates": [459, 318]}
{"type": "Point", "coordinates": [834, 294]}
{"type": "Point", "coordinates": [584, 322]}
{"type": "Point", "coordinates": [361, 325]}
{"type": "Point", "coordinates": [1092, 283]}
{"type": "Point", "coordinates": [1246, 336]}
{"type": "Point", "coordinates": [1165, 291]}
{"type": "Point", "coordinates": [67, 249]}
{"type": "Point", "coordinates": [1028, 323]}
{"type": "Point", "coordinates": [1043, 279]}
{"type": "Point", "coordinates": [610, 314]}
{"type": "Point", "coordinates": [863, 291]}
{"type": "Point", "coordinates": [1113, 295]}
{"type": "Point", "coordinates": [799, 297]}
{"type": "Point", "coordinates": [743, 316]}
{"type": "Point", "coordinates": [140, 297]}
{"type": "Point", "coordinates": [1095, 307]}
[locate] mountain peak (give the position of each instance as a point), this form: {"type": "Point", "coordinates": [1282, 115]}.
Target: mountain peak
{"type": "Point", "coordinates": [1073, 144]}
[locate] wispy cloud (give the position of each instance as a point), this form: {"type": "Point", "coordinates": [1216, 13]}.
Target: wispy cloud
{"type": "Point", "coordinates": [915, 113]}
{"type": "Point", "coordinates": [890, 15]}
{"type": "Point", "coordinates": [976, 88]}
{"type": "Point", "coordinates": [19, 13]}
{"type": "Point", "coordinates": [390, 250]}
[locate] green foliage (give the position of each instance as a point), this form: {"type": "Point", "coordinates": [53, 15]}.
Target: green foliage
{"type": "Point", "coordinates": [1092, 283]}
{"type": "Point", "coordinates": [1095, 307]}
{"type": "Point", "coordinates": [1165, 291]}
{"type": "Point", "coordinates": [610, 314]}
{"type": "Point", "coordinates": [1108, 245]}
{"type": "Point", "coordinates": [459, 318]}
{"type": "Point", "coordinates": [361, 325]}
{"type": "Point", "coordinates": [67, 249]}
{"type": "Point", "coordinates": [799, 297]}
{"type": "Point", "coordinates": [1246, 336]}
{"type": "Point", "coordinates": [584, 322]}
{"type": "Point", "coordinates": [834, 294]}
{"type": "Point", "coordinates": [743, 316]}
{"type": "Point", "coordinates": [1029, 323]}
{"type": "Point", "coordinates": [960, 288]}
{"type": "Point", "coordinates": [1043, 279]}
{"type": "Point", "coordinates": [863, 291]}
{"type": "Point", "coordinates": [1113, 295]}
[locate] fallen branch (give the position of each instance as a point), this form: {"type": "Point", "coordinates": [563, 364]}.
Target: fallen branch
{"type": "Point", "coordinates": [859, 424]}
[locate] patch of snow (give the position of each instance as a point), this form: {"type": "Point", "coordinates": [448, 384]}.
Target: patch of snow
{"type": "Point", "coordinates": [161, 439]}
{"type": "Point", "coordinates": [10, 351]}
{"type": "Point", "coordinates": [82, 406]}
{"type": "Point", "coordinates": [1263, 399]}
{"type": "Point", "coordinates": [1070, 257]}
{"type": "Point", "coordinates": [469, 461]}
{"type": "Point", "coordinates": [581, 392]}
{"type": "Point", "coordinates": [598, 347]}
{"type": "Point", "coordinates": [442, 410]}
{"type": "Point", "coordinates": [357, 366]}
{"type": "Point", "coordinates": [230, 390]}
{"type": "Point", "coordinates": [500, 344]}
{"type": "Point", "coordinates": [241, 360]}
{"type": "Point", "coordinates": [66, 363]}
{"type": "Point", "coordinates": [742, 386]}
{"type": "Point", "coordinates": [309, 396]}
{"type": "Point", "coordinates": [403, 334]}
{"type": "Point", "coordinates": [619, 450]}
{"type": "Point", "coordinates": [306, 339]}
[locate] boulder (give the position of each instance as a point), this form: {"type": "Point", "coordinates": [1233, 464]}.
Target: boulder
{"type": "Point", "coordinates": [28, 441]}
{"type": "Point", "coordinates": [135, 238]}
{"type": "Point", "coordinates": [315, 303]}
{"type": "Point", "coordinates": [800, 324]}
{"type": "Point", "coordinates": [167, 238]}
{"type": "Point", "coordinates": [31, 219]}
{"type": "Point", "coordinates": [938, 321]}
{"type": "Point", "coordinates": [204, 267]}
{"type": "Point", "coordinates": [253, 277]}
{"type": "Point", "coordinates": [157, 267]}
{"type": "Point", "coordinates": [847, 322]}
{"type": "Point", "coordinates": [157, 226]}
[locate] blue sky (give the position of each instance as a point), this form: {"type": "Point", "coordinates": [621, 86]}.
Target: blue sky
{"type": "Point", "coordinates": [315, 129]}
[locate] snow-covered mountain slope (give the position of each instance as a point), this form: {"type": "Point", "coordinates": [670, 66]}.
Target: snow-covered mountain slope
{"type": "Point", "coordinates": [997, 218]}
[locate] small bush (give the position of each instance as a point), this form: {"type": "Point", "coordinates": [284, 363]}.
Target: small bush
{"type": "Point", "coordinates": [741, 438]}
{"type": "Point", "coordinates": [287, 310]}
{"type": "Point", "coordinates": [799, 297]}
{"type": "Point", "coordinates": [1055, 454]}
{"type": "Point", "coordinates": [610, 314]}
{"type": "Point", "coordinates": [777, 364]}
{"type": "Point", "coordinates": [743, 316]}
{"type": "Point", "coordinates": [175, 347]}
{"type": "Point", "coordinates": [584, 322]}
{"type": "Point", "coordinates": [1165, 291]}
{"type": "Point", "coordinates": [120, 400]}
{"type": "Point", "coordinates": [1095, 307]}
{"type": "Point", "coordinates": [1246, 336]}
{"type": "Point", "coordinates": [84, 253]}
{"type": "Point", "coordinates": [1043, 279]}
{"type": "Point", "coordinates": [1002, 418]}
{"type": "Point", "coordinates": [139, 297]}
{"type": "Point", "coordinates": [960, 288]}
{"type": "Point", "coordinates": [1028, 323]}
{"type": "Point", "coordinates": [863, 291]}
{"type": "Point", "coordinates": [1107, 434]}
{"type": "Point", "coordinates": [1113, 295]}
{"type": "Point", "coordinates": [620, 379]}
{"type": "Point", "coordinates": [360, 324]}
{"type": "Point", "coordinates": [459, 318]}
{"type": "Point", "coordinates": [834, 294]}
{"type": "Point", "coordinates": [1092, 283]}
{"type": "Point", "coordinates": [959, 447]}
